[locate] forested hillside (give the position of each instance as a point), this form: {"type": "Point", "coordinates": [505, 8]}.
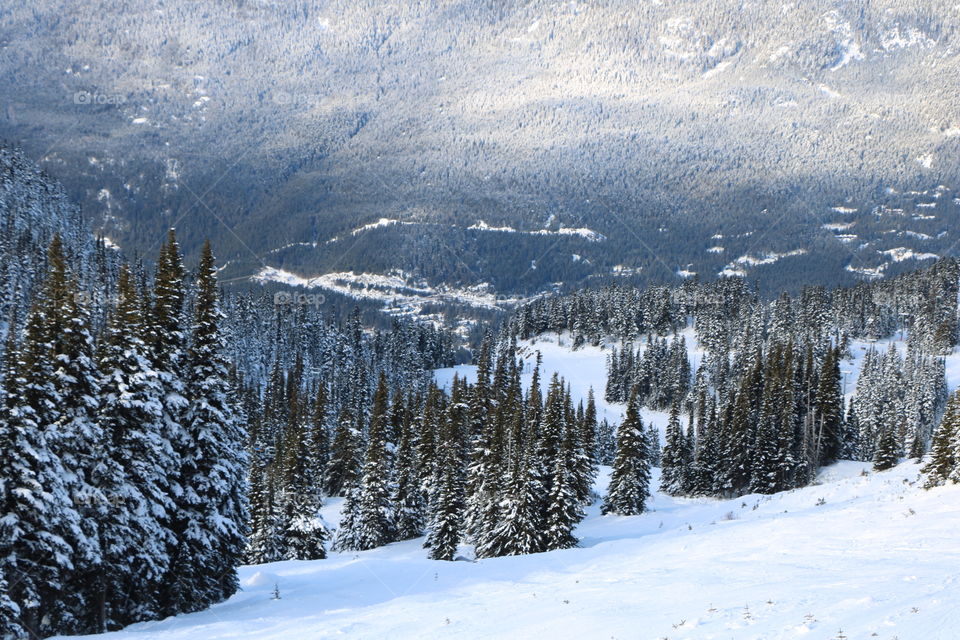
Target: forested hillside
{"type": "Point", "coordinates": [656, 126]}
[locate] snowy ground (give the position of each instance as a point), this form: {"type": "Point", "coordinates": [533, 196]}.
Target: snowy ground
{"type": "Point", "coordinates": [858, 555]}
{"type": "Point", "coordinates": [870, 555]}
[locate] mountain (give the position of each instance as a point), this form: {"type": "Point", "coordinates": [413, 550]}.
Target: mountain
{"type": "Point", "coordinates": [516, 143]}
{"type": "Point", "coordinates": [34, 208]}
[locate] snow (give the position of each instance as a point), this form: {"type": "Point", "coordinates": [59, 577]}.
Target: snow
{"type": "Point", "coordinates": [583, 232]}
{"type": "Point", "coordinates": [483, 226]}
{"type": "Point", "coordinates": [382, 222]}
{"type": "Point", "coordinates": [844, 210]}
{"type": "Point", "coordinates": [398, 291]}
{"type": "Point", "coordinates": [866, 553]}
{"type": "Point", "coordinates": [900, 254]}
{"type": "Point", "coordinates": [857, 553]}
{"type": "Point", "coordinates": [868, 272]}
{"type": "Point", "coordinates": [737, 268]}
{"type": "Point", "coordinates": [838, 226]}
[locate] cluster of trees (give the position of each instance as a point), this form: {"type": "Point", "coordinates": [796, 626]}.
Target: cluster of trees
{"type": "Point", "coordinates": [896, 405]}
{"type": "Point", "coordinates": [658, 373]}
{"type": "Point", "coordinates": [123, 485]}
{"type": "Point", "coordinates": [484, 463]}
{"type": "Point", "coordinates": [944, 463]}
{"type": "Point", "coordinates": [922, 301]}
{"type": "Point", "coordinates": [766, 430]}
{"type": "Point", "coordinates": [765, 408]}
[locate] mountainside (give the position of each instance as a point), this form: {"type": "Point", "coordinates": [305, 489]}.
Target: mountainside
{"type": "Point", "coordinates": [33, 208]}
{"type": "Point", "coordinates": [513, 143]}
{"type": "Point", "coordinates": [760, 567]}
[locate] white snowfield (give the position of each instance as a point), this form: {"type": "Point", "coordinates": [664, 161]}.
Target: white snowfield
{"type": "Point", "coordinates": [854, 556]}
{"type": "Point", "coordinates": [858, 555]}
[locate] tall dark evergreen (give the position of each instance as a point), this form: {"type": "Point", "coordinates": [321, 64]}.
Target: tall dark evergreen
{"type": "Point", "coordinates": [630, 479]}
{"type": "Point", "coordinates": [673, 462]}
{"type": "Point", "coordinates": [211, 512]}
{"type": "Point", "coordinates": [369, 524]}
{"type": "Point", "coordinates": [134, 475]}
{"type": "Point", "coordinates": [447, 509]}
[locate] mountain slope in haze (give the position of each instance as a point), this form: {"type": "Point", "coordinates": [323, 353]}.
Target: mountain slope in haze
{"type": "Point", "coordinates": [278, 128]}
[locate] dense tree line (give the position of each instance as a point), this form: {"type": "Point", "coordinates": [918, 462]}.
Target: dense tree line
{"type": "Point", "coordinates": [765, 408]}
{"type": "Point", "coordinates": [123, 489]}
{"type": "Point", "coordinates": [484, 463]}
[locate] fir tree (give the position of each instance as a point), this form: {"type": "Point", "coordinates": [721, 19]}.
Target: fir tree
{"type": "Point", "coordinates": [630, 479]}
{"type": "Point", "coordinates": [212, 510]}
{"type": "Point", "coordinates": [888, 450]}
{"type": "Point", "coordinates": [370, 525]}
{"type": "Point", "coordinates": [673, 477]}
{"type": "Point", "coordinates": [343, 468]}
{"type": "Point", "coordinates": [446, 518]}
{"type": "Point", "coordinates": [407, 499]}
{"type": "Point", "coordinates": [39, 516]}
{"type": "Point", "coordinates": [944, 462]}
{"type": "Point", "coordinates": [134, 474]}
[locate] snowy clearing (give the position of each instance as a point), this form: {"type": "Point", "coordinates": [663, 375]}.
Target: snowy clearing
{"type": "Point", "coordinates": [859, 554]}
{"type": "Point", "coordinates": [863, 553]}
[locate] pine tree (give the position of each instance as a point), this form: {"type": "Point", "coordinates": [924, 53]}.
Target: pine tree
{"type": "Point", "coordinates": [673, 477]}
{"type": "Point", "coordinates": [212, 511]}
{"type": "Point", "coordinates": [630, 479]}
{"type": "Point", "coordinates": [829, 411]}
{"type": "Point", "coordinates": [166, 337]}
{"type": "Point", "coordinates": [563, 501]}
{"type": "Point", "coordinates": [944, 462]}
{"type": "Point", "coordinates": [134, 473]}
{"type": "Point", "coordinates": [343, 468]}
{"type": "Point", "coordinates": [39, 515]}
{"type": "Point", "coordinates": [371, 525]}
{"type": "Point", "coordinates": [520, 528]}
{"type": "Point", "coordinates": [888, 450]}
{"type": "Point", "coordinates": [408, 501]}
{"type": "Point", "coordinates": [75, 436]}
{"type": "Point", "coordinates": [446, 517]}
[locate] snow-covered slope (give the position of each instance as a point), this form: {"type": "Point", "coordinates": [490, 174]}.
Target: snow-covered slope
{"type": "Point", "coordinates": [859, 554]}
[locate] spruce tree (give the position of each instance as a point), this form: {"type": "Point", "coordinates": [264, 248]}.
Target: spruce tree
{"type": "Point", "coordinates": [888, 450]}
{"type": "Point", "coordinates": [343, 468]}
{"type": "Point", "coordinates": [407, 499]}
{"type": "Point", "coordinates": [446, 517]}
{"type": "Point", "coordinates": [75, 436]}
{"type": "Point", "coordinates": [563, 501]}
{"type": "Point", "coordinates": [630, 480]}
{"type": "Point", "coordinates": [370, 525]}
{"type": "Point", "coordinates": [212, 510]}
{"type": "Point", "coordinates": [133, 474]}
{"type": "Point", "coordinates": [39, 514]}
{"type": "Point", "coordinates": [944, 461]}
{"type": "Point", "coordinates": [673, 463]}
{"type": "Point", "coordinates": [520, 528]}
